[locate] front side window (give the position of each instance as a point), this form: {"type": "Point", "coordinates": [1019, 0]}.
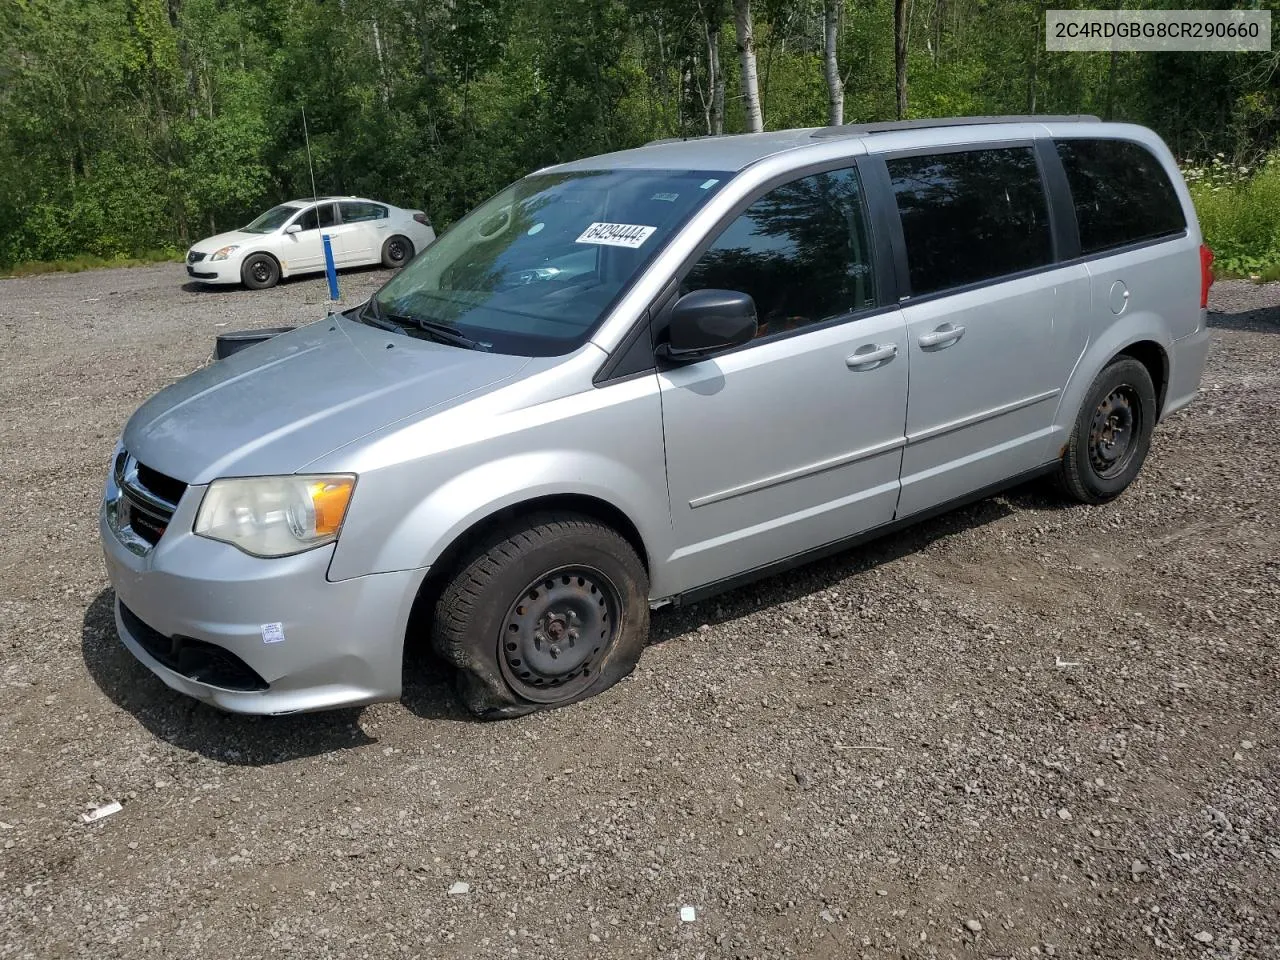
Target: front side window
{"type": "Point", "coordinates": [360, 212]}
{"type": "Point", "coordinates": [801, 251]}
{"type": "Point", "coordinates": [971, 216]}
{"type": "Point", "coordinates": [273, 219]}
{"type": "Point", "coordinates": [1121, 193]}
{"type": "Point", "coordinates": [534, 270]}
{"type": "Point", "coordinates": [318, 217]}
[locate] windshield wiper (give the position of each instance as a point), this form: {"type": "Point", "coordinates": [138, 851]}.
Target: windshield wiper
{"type": "Point", "coordinates": [369, 314]}
{"type": "Point", "coordinates": [441, 332]}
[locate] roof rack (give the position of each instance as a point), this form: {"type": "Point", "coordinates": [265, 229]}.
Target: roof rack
{"type": "Point", "coordinates": [889, 126]}
{"type": "Point", "coordinates": [696, 136]}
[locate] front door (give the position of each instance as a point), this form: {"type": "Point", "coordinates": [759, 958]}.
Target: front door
{"type": "Point", "coordinates": [992, 326]}
{"type": "Point", "coordinates": [794, 440]}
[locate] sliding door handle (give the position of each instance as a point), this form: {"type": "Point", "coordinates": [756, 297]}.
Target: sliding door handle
{"type": "Point", "coordinates": [870, 356]}
{"type": "Point", "coordinates": [943, 336]}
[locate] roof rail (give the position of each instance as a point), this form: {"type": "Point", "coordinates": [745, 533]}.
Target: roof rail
{"type": "Point", "coordinates": [696, 136]}
{"type": "Point", "coordinates": [888, 126]}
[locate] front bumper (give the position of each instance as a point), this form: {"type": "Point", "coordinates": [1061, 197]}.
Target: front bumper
{"type": "Point", "coordinates": [342, 641]}
{"type": "Point", "coordinates": [215, 271]}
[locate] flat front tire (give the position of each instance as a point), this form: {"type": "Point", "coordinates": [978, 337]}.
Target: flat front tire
{"type": "Point", "coordinates": [543, 613]}
{"type": "Point", "coordinates": [1112, 433]}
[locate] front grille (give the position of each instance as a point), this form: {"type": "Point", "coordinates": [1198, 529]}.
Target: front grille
{"type": "Point", "coordinates": [149, 498]}
{"type": "Point", "coordinates": [196, 660]}
{"type": "Point", "coordinates": [155, 481]}
{"type": "Point", "coordinates": [193, 257]}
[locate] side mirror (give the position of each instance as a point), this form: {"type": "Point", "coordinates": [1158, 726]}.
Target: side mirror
{"type": "Point", "coordinates": [293, 228]}
{"type": "Point", "coordinates": [706, 322]}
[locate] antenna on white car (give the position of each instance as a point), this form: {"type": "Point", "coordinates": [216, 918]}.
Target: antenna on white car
{"type": "Point", "coordinates": [310, 169]}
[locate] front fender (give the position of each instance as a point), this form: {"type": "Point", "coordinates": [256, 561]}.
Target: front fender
{"type": "Point", "coordinates": [470, 462]}
{"type": "Point", "coordinates": [448, 511]}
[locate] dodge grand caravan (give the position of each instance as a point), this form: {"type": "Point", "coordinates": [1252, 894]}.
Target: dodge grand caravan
{"type": "Point", "coordinates": [637, 379]}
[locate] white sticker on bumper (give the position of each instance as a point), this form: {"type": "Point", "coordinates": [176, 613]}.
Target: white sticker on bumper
{"type": "Point", "coordinates": [273, 633]}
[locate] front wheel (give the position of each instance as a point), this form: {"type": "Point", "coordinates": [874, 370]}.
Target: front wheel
{"type": "Point", "coordinates": [1112, 433]}
{"type": "Point", "coordinates": [542, 614]}
{"type": "Point", "coordinates": [259, 272]}
{"type": "Point", "coordinates": [396, 252]}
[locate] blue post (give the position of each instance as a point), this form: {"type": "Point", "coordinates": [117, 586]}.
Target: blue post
{"type": "Point", "coordinates": [329, 268]}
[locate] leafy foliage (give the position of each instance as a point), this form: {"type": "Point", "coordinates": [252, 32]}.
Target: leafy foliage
{"type": "Point", "coordinates": [133, 125]}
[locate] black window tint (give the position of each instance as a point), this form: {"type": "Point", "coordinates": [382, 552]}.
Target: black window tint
{"type": "Point", "coordinates": [317, 217]}
{"type": "Point", "coordinates": [361, 212]}
{"type": "Point", "coordinates": [801, 252]}
{"type": "Point", "coordinates": [971, 216]}
{"type": "Point", "coordinates": [1121, 193]}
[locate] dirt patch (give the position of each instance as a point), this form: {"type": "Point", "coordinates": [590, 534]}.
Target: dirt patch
{"type": "Point", "coordinates": [1058, 725]}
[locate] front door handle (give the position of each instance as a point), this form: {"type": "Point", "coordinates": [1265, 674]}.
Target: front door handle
{"type": "Point", "coordinates": [943, 336]}
{"type": "Point", "coordinates": [870, 356]}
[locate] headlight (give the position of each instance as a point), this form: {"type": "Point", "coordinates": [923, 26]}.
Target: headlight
{"type": "Point", "coordinates": [223, 252]}
{"type": "Point", "coordinates": [275, 516]}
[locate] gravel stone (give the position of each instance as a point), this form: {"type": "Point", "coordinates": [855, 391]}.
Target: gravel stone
{"type": "Point", "coordinates": [337, 835]}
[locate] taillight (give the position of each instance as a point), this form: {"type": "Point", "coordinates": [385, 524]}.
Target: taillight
{"type": "Point", "coordinates": [1206, 274]}
{"type": "Point", "coordinates": [425, 221]}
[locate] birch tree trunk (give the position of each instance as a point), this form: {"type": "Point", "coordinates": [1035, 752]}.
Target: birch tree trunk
{"type": "Point", "coordinates": [715, 75]}
{"type": "Point", "coordinates": [835, 86]}
{"type": "Point", "coordinates": [900, 53]}
{"type": "Point", "coordinates": [747, 56]}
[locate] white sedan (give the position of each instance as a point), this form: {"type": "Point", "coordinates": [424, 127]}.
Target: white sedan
{"type": "Point", "coordinates": [286, 241]}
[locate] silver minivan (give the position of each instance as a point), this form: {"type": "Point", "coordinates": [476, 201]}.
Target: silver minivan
{"type": "Point", "coordinates": [641, 378]}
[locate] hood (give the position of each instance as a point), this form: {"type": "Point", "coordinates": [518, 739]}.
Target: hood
{"type": "Point", "coordinates": [276, 406]}
{"type": "Point", "coordinates": [239, 237]}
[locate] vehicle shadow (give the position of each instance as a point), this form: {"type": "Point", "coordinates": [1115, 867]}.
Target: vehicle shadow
{"type": "Point", "coordinates": [824, 574]}
{"type": "Point", "coordinates": [428, 689]}
{"type": "Point", "coordinates": [1261, 320]}
{"type": "Point", "coordinates": [191, 725]}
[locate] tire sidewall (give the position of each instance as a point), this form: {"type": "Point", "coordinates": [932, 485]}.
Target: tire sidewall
{"type": "Point", "coordinates": [246, 277]}
{"type": "Point", "coordinates": [387, 261]}
{"type": "Point", "coordinates": [1123, 372]}
{"type": "Point", "coordinates": [482, 684]}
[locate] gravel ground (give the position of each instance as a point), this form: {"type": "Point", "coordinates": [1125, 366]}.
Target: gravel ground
{"type": "Point", "coordinates": [1019, 730]}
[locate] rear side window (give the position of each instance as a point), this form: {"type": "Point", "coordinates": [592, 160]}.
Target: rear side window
{"type": "Point", "coordinates": [359, 212]}
{"type": "Point", "coordinates": [801, 251]}
{"type": "Point", "coordinates": [970, 216]}
{"type": "Point", "coordinates": [1121, 192]}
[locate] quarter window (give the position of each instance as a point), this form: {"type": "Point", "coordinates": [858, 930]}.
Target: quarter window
{"type": "Point", "coordinates": [1121, 193]}
{"type": "Point", "coordinates": [800, 251]}
{"type": "Point", "coordinates": [362, 212]}
{"type": "Point", "coordinates": [970, 216]}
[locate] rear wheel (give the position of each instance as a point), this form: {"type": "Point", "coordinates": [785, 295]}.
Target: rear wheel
{"type": "Point", "coordinates": [260, 271]}
{"type": "Point", "coordinates": [1112, 433]}
{"type": "Point", "coordinates": [397, 251]}
{"type": "Point", "coordinates": [542, 614]}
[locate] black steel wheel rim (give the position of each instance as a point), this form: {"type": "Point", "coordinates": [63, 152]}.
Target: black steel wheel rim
{"type": "Point", "coordinates": [558, 632]}
{"type": "Point", "coordinates": [1113, 434]}
{"type": "Point", "coordinates": [396, 250]}
{"type": "Point", "coordinates": [260, 270]}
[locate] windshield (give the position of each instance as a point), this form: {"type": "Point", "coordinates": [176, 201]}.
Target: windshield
{"type": "Point", "coordinates": [533, 270]}
{"type": "Point", "coordinates": [273, 219]}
